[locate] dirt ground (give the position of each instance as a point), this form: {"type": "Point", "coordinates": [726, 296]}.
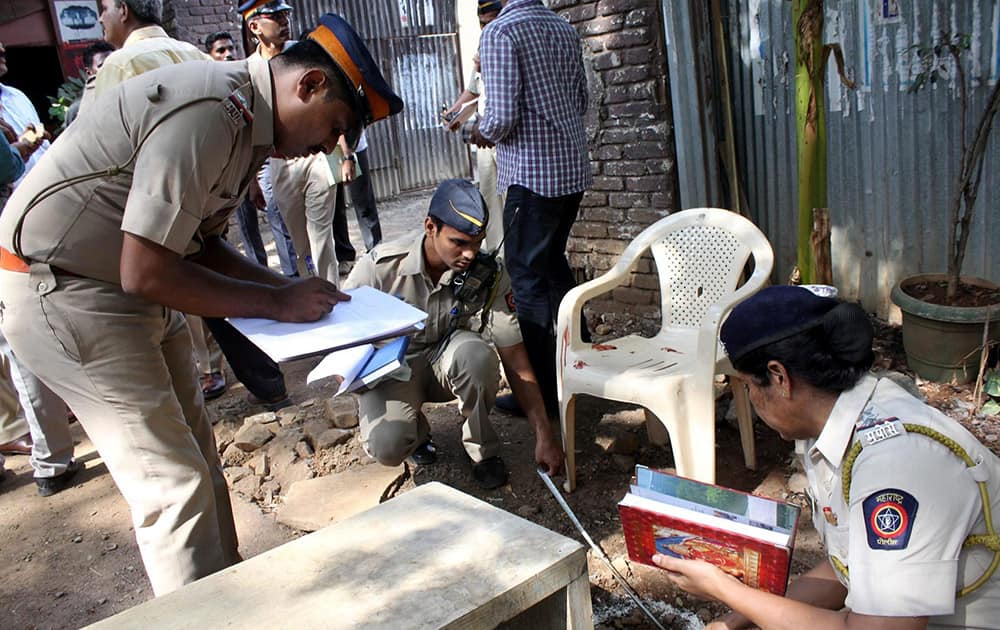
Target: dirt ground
{"type": "Point", "coordinates": [71, 559]}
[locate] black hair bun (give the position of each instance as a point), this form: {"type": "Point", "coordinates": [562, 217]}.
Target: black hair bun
{"type": "Point", "coordinates": [849, 333]}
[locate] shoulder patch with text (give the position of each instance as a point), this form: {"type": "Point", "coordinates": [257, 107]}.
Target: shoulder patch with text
{"type": "Point", "coordinates": [889, 517]}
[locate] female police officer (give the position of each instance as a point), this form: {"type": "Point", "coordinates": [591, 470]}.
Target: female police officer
{"type": "Point", "coordinates": [902, 494]}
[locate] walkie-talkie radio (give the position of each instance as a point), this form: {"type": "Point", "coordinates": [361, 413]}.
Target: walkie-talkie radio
{"type": "Point", "coordinates": [472, 285]}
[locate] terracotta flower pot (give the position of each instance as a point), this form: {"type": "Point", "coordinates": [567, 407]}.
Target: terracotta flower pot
{"type": "Point", "coordinates": [944, 343]}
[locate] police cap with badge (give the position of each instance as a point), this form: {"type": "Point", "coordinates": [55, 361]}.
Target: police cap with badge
{"type": "Point", "coordinates": [372, 97]}
{"type": "Point", "coordinates": [254, 8]}
{"type": "Point", "coordinates": [458, 203]}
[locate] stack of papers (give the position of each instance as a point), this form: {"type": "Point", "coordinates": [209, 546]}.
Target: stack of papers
{"type": "Point", "coordinates": [361, 366]}
{"type": "Point", "coordinates": [371, 315]}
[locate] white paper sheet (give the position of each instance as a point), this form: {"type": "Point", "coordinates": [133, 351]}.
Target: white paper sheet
{"type": "Point", "coordinates": [346, 364]}
{"type": "Point", "coordinates": [371, 314]}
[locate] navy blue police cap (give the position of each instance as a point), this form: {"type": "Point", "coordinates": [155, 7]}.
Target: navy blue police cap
{"type": "Point", "coordinates": [772, 314]}
{"type": "Point", "coordinates": [489, 6]}
{"type": "Point", "coordinates": [349, 52]}
{"type": "Point", "coordinates": [457, 203]}
{"type": "Point", "coordinates": [253, 8]}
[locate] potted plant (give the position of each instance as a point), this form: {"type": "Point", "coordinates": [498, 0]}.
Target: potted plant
{"type": "Point", "coordinates": [944, 315]}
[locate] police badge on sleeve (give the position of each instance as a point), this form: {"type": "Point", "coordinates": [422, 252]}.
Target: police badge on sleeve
{"type": "Point", "coordinates": [889, 516]}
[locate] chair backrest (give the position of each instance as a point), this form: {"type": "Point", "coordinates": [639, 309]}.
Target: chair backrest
{"type": "Point", "coordinates": [700, 254]}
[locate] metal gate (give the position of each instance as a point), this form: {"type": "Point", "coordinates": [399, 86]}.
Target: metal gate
{"type": "Point", "coordinates": [415, 44]}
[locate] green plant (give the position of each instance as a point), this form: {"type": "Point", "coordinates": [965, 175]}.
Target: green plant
{"type": "Point", "coordinates": [68, 93]}
{"type": "Point", "coordinates": [991, 387]}
{"type": "Point", "coordinates": [935, 62]}
{"type": "Point", "coordinates": [811, 56]}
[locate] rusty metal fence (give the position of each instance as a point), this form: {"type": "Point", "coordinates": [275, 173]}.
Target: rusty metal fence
{"type": "Point", "coordinates": [415, 44]}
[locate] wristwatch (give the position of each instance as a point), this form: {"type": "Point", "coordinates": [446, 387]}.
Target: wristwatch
{"type": "Point", "coordinates": [352, 158]}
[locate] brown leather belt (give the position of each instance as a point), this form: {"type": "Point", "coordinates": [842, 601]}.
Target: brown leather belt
{"type": "Point", "coordinates": [10, 262]}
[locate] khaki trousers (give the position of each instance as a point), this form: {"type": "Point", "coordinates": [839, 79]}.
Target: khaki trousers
{"type": "Point", "coordinates": [124, 366]}
{"type": "Point", "coordinates": [392, 426]}
{"type": "Point", "coordinates": [486, 170]}
{"type": "Point", "coordinates": [12, 425]}
{"type": "Point", "coordinates": [307, 199]}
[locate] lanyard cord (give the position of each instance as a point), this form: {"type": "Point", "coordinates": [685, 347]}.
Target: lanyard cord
{"type": "Point", "coordinates": [111, 171]}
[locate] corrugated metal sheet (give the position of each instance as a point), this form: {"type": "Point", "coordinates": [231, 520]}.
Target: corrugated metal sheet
{"type": "Point", "coordinates": [892, 154]}
{"type": "Point", "coordinates": [415, 45]}
{"type": "Point", "coordinates": [689, 61]}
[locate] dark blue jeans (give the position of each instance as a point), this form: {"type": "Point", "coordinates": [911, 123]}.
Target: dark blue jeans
{"type": "Point", "coordinates": [536, 229]}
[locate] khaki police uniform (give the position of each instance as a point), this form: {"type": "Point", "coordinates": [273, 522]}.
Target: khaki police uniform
{"type": "Point", "coordinates": [198, 132]}
{"type": "Point", "coordinates": [465, 366]}
{"type": "Point", "coordinates": [897, 544]}
{"type": "Point", "coordinates": [306, 195]}
{"type": "Point", "coordinates": [486, 170]}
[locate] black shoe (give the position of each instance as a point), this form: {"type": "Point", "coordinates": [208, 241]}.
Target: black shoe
{"type": "Point", "coordinates": [490, 473]}
{"type": "Point", "coordinates": [425, 454]}
{"type": "Point", "coordinates": [508, 404]}
{"type": "Point", "coordinates": [47, 486]}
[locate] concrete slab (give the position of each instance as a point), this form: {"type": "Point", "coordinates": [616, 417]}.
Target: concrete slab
{"type": "Point", "coordinates": [315, 503]}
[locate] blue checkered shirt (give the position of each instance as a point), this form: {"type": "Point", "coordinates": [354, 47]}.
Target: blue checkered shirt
{"type": "Point", "coordinates": [532, 67]}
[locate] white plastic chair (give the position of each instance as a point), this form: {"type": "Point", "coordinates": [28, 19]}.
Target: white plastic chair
{"type": "Point", "coordinates": [700, 255]}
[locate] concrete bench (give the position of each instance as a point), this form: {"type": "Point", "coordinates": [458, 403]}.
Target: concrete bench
{"type": "Point", "coordinates": [431, 558]}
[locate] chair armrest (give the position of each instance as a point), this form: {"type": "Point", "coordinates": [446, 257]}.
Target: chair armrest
{"type": "Point", "coordinates": [572, 303]}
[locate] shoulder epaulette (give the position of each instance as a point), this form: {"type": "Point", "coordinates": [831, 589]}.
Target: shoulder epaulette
{"type": "Point", "coordinates": [238, 109]}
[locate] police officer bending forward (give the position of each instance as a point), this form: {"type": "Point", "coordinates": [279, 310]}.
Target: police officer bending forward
{"type": "Point", "coordinates": [117, 232]}
{"type": "Point", "coordinates": [450, 357]}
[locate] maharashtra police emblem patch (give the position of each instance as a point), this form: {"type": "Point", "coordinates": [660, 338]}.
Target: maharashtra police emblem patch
{"type": "Point", "coordinates": [889, 516]}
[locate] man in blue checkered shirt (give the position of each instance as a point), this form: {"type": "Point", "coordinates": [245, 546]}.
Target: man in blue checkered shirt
{"type": "Point", "coordinates": [532, 68]}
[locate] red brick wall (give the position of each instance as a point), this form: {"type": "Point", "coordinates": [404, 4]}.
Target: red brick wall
{"type": "Point", "coordinates": [192, 20]}
{"type": "Point", "coordinates": [631, 146]}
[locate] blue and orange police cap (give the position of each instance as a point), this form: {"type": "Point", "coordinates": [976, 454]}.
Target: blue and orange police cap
{"type": "Point", "coordinates": [349, 52]}
{"type": "Point", "coordinates": [253, 8]}
{"type": "Point", "coordinates": [457, 203]}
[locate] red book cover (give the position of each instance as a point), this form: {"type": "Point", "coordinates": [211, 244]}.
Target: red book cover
{"type": "Point", "coordinates": [683, 528]}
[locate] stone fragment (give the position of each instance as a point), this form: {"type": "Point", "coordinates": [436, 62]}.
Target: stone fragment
{"type": "Point", "coordinates": [316, 503]}
{"type": "Point", "coordinates": [260, 463]}
{"type": "Point", "coordinates": [527, 511]}
{"type": "Point", "coordinates": [798, 483]}
{"type": "Point", "coordinates": [233, 456]}
{"type": "Point", "coordinates": [303, 450]}
{"type": "Point", "coordinates": [315, 428]}
{"type": "Point", "coordinates": [251, 437]}
{"type": "Point", "coordinates": [235, 473]}
{"type": "Point", "coordinates": [773, 485]}
{"type": "Point", "coordinates": [298, 470]}
{"type": "Point", "coordinates": [269, 490]}
{"type": "Point", "coordinates": [247, 485]}
{"type": "Point", "coordinates": [288, 415]}
{"type": "Point", "coordinates": [342, 411]}
{"type": "Point", "coordinates": [624, 443]}
{"type": "Point", "coordinates": [224, 432]}
{"type": "Point", "coordinates": [281, 450]}
{"type": "Point", "coordinates": [331, 438]}
{"type": "Point", "coordinates": [261, 418]}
